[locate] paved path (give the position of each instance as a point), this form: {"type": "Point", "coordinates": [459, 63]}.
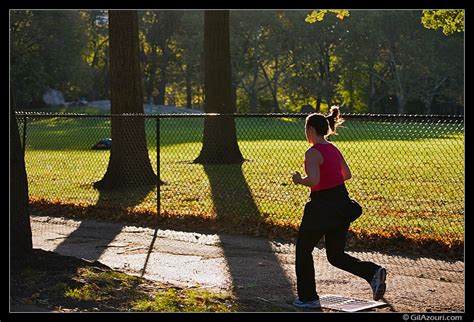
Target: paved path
{"type": "Point", "coordinates": [249, 267]}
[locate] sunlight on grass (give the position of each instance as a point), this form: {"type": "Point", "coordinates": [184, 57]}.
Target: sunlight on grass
{"type": "Point", "coordinates": [414, 180]}
{"type": "Point", "coordinates": [83, 293]}
{"type": "Point", "coordinates": [108, 286]}
{"type": "Point", "coordinates": [188, 300]}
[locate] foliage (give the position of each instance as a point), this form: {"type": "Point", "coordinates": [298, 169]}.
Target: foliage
{"type": "Point", "coordinates": [449, 20]}
{"type": "Point", "coordinates": [364, 60]}
{"type": "Point", "coordinates": [318, 15]}
{"type": "Point", "coordinates": [96, 52]}
{"type": "Point", "coordinates": [47, 52]}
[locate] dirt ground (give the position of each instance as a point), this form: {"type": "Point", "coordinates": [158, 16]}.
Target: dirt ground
{"type": "Point", "coordinates": [254, 269]}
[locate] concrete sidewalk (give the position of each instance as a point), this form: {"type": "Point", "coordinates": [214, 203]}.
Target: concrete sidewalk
{"type": "Point", "coordinates": [249, 267]}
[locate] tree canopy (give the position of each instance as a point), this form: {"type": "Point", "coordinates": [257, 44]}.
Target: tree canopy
{"type": "Point", "coordinates": [450, 21]}
{"type": "Point", "coordinates": [363, 60]}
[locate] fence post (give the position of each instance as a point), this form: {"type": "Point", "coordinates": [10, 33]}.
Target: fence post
{"type": "Point", "coordinates": [158, 179]}
{"type": "Point", "coordinates": [24, 135]}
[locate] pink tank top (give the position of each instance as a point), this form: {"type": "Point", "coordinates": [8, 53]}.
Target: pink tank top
{"type": "Point", "coordinates": [330, 171]}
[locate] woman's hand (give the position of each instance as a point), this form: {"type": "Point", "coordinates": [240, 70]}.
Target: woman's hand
{"type": "Point", "coordinates": [296, 177]}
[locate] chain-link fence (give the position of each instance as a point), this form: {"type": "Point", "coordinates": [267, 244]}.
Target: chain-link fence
{"type": "Point", "coordinates": [408, 172]}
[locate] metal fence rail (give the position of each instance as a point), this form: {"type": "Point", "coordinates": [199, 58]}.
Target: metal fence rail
{"type": "Point", "coordinates": [408, 171]}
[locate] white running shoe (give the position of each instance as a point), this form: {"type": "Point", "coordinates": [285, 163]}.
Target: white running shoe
{"type": "Point", "coordinates": [378, 283]}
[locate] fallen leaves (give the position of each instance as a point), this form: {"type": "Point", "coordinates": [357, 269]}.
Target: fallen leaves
{"type": "Point", "coordinates": [408, 239]}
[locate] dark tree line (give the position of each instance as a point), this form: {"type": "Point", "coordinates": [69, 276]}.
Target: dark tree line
{"type": "Point", "coordinates": [381, 61]}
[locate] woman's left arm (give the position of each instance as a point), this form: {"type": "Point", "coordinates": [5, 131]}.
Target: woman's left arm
{"type": "Point", "coordinates": [346, 171]}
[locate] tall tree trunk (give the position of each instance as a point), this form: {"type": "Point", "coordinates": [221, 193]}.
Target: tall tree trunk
{"type": "Point", "coordinates": [276, 105]}
{"type": "Point", "coordinates": [189, 92]}
{"type": "Point", "coordinates": [20, 229]}
{"type": "Point", "coordinates": [330, 101]}
{"type": "Point", "coordinates": [160, 98]}
{"type": "Point", "coordinates": [428, 104]}
{"type": "Point", "coordinates": [401, 100]}
{"type": "Point", "coordinates": [253, 87]}
{"type": "Point", "coordinates": [400, 90]}
{"type": "Point", "coordinates": [129, 163]}
{"type": "Point", "coordinates": [106, 74]}
{"type": "Point", "coordinates": [351, 94]}
{"type": "Point", "coordinates": [370, 101]}
{"type": "Point", "coordinates": [150, 84]}
{"type": "Point", "coordinates": [432, 93]}
{"type": "Point", "coordinates": [318, 104]}
{"type": "Point", "coordinates": [163, 81]}
{"type": "Point", "coordinates": [253, 100]}
{"type": "Point", "coordinates": [273, 85]}
{"type": "Point", "coordinates": [234, 95]}
{"type": "Point", "coordinates": [274, 91]}
{"type": "Point", "coordinates": [220, 138]}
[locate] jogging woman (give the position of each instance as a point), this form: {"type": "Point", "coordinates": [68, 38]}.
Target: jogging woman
{"type": "Point", "coordinates": [328, 213]}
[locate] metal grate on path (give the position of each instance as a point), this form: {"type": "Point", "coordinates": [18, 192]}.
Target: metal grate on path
{"type": "Point", "coordinates": [347, 304]}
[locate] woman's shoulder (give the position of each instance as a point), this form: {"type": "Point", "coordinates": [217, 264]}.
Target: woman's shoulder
{"type": "Point", "coordinates": [334, 146]}
{"type": "Point", "coordinates": [312, 150]}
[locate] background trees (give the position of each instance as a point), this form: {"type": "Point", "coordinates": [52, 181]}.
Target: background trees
{"type": "Point", "coordinates": [381, 61]}
{"type": "Point", "coordinates": [46, 51]}
{"type": "Point", "coordinates": [96, 53]}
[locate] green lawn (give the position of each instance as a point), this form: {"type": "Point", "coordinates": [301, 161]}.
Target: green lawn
{"type": "Point", "coordinates": [407, 176]}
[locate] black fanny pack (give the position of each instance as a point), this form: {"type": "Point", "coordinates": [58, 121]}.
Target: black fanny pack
{"type": "Point", "coordinates": [338, 199]}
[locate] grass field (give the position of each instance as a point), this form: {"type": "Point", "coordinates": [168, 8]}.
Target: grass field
{"type": "Point", "coordinates": [409, 177]}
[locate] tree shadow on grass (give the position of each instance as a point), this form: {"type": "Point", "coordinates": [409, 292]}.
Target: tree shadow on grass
{"type": "Point", "coordinates": [90, 240]}
{"type": "Point", "coordinates": [260, 276]}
